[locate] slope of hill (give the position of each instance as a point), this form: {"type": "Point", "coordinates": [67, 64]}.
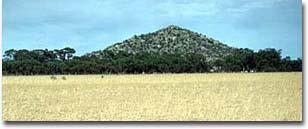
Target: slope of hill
{"type": "Point", "coordinates": [171, 40]}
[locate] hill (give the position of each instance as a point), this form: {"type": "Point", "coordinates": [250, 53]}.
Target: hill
{"type": "Point", "coordinates": [169, 50]}
{"type": "Point", "coordinates": [171, 40]}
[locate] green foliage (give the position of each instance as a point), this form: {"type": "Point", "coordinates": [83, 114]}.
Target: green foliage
{"type": "Point", "coordinates": [268, 60]}
{"type": "Point", "coordinates": [25, 62]}
{"type": "Point", "coordinates": [240, 60]}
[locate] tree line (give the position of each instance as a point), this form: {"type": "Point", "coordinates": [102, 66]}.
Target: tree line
{"type": "Point", "coordinates": [63, 61]}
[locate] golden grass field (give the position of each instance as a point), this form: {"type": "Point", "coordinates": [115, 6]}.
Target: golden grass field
{"type": "Point", "coordinates": [166, 97]}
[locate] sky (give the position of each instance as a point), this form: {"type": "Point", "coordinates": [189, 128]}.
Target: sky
{"type": "Point", "coordinates": [91, 25]}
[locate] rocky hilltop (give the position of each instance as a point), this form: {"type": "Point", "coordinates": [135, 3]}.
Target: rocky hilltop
{"type": "Point", "coordinates": [170, 40]}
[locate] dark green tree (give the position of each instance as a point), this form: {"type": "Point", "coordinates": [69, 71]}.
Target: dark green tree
{"type": "Point", "coordinates": [268, 60]}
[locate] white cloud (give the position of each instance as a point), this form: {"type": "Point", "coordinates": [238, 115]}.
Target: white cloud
{"type": "Point", "coordinates": [172, 8]}
{"type": "Point", "coordinates": [189, 8]}
{"type": "Point", "coordinates": [249, 5]}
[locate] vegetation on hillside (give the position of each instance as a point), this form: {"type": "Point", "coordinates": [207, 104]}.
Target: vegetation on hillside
{"type": "Point", "coordinates": [171, 40]}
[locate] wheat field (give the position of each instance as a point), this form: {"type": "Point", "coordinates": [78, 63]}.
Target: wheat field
{"type": "Point", "coordinates": [155, 97]}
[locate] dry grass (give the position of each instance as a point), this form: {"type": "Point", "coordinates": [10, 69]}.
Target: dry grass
{"type": "Point", "coordinates": [221, 96]}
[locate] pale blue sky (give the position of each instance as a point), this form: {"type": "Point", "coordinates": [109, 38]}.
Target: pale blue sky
{"type": "Point", "coordinates": [90, 25]}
